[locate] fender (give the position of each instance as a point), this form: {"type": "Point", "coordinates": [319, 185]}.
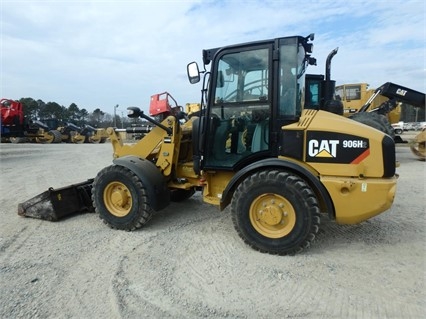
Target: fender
{"type": "Point", "coordinates": [311, 179]}
{"type": "Point", "coordinates": [152, 180]}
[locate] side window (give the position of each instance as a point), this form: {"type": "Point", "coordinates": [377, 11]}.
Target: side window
{"type": "Point", "coordinates": [312, 99]}
{"type": "Point", "coordinates": [292, 67]}
{"type": "Point", "coordinates": [243, 77]}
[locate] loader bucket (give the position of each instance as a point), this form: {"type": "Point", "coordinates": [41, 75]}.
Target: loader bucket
{"type": "Point", "coordinates": [54, 204]}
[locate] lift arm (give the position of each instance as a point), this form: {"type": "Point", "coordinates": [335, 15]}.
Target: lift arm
{"type": "Point", "coordinates": [396, 93]}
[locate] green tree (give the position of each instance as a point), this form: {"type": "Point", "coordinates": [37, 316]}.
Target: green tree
{"type": "Point", "coordinates": [41, 106]}
{"type": "Point", "coordinates": [73, 112]}
{"type": "Point", "coordinates": [52, 110]}
{"type": "Point", "coordinates": [83, 115]}
{"type": "Point", "coordinates": [97, 117]}
{"type": "Point", "coordinates": [31, 107]}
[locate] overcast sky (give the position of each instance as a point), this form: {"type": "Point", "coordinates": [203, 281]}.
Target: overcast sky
{"type": "Point", "coordinates": [103, 53]}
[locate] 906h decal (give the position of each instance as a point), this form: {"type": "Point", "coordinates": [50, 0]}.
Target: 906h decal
{"type": "Point", "coordinates": [327, 147]}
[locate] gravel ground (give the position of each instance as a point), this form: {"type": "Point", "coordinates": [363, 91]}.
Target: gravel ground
{"type": "Point", "coordinates": [188, 262]}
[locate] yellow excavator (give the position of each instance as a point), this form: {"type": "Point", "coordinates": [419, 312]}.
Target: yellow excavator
{"type": "Point", "coordinates": [252, 147]}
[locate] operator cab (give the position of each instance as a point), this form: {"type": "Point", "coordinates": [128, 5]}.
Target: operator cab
{"type": "Point", "coordinates": [252, 90]}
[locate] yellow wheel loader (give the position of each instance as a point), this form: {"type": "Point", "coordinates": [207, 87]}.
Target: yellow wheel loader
{"type": "Point", "coordinates": [252, 147]}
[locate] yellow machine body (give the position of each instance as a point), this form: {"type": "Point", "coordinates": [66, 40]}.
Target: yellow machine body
{"type": "Point", "coordinates": [355, 197]}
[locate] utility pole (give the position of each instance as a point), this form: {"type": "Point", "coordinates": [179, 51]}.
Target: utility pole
{"type": "Point", "coordinates": [115, 112]}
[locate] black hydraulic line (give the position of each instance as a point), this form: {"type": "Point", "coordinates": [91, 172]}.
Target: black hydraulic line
{"type": "Point", "coordinates": [146, 117]}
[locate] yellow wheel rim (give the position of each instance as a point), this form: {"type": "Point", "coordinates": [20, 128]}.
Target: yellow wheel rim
{"type": "Point", "coordinates": [272, 215]}
{"type": "Point", "coordinates": [117, 199]}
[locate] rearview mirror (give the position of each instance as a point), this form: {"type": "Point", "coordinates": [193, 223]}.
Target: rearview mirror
{"type": "Point", "coordinates": [193, 72]}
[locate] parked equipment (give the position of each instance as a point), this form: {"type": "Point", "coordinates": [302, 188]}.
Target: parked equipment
{"type": "Point", "coordinates": [94, 135]}
{"type": "Point", "coordinates": [383, 103]}
{"type": "Point", "coordinates": [68, 132]}
{"type": "Point", "coordinates": [254, 148]}
{"type": "Point", "coordinates": [17, 128]}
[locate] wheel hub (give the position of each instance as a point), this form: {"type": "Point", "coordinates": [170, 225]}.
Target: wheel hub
{"type": "Point", "coordinates": [117, 199]}
{"type": "Point", "coordinates": [272, 215]}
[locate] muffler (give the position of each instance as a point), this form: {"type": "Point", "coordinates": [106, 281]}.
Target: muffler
{"type": "Point", "coordinates": [55, 204]}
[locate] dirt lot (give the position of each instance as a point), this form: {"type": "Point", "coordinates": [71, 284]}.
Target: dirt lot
{"type": "Point", "coordinates": [188, 262]}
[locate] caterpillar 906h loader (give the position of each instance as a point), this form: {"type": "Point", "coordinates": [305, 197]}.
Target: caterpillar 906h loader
{"type": "Point", "coordinates": [251, 147]}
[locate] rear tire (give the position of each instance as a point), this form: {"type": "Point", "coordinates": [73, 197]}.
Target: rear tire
{"type": "Point", "coordinates": [120, 198]}
{"type": "Point", "coordinates": [275, 212]}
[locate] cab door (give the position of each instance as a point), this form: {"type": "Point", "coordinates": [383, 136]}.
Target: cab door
{"type": "Point", "coordinates": [238, 125]}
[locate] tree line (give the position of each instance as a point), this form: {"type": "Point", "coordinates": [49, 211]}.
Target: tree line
{"type": "Point", "coordinates": [39, 110]}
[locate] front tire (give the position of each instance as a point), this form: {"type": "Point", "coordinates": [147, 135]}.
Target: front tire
{"type": "Point", "coordinates": [275, 212]}
{"type": "Point", "coordinates": [120, 198]}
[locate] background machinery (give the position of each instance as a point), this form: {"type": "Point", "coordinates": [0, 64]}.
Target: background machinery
{"type": "Point", "coordinates": [251, 147]}
{"type": "Point", "coordinates": [385, 101]}
{"type": "Point", "coordinates": [17, 128]}
{"type": "Point", "coordinates": [12, 120]}
{"type": "Point", "coordinates": [379, 108]}
{"type": "Point", "coordinates": [94, 135]}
